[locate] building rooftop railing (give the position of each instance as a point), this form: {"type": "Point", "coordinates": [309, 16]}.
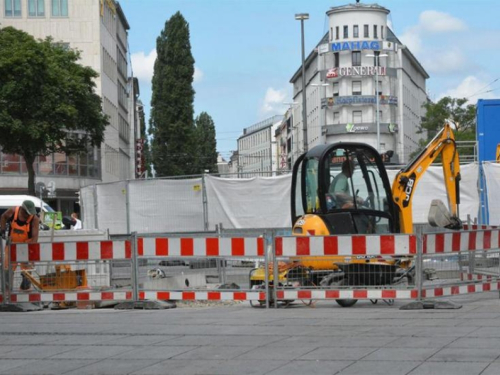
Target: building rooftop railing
{"type": "Point", "coordinates": [263, 124]}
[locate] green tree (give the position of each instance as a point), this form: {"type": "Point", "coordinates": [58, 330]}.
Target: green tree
{"type": "Point", "coordinates": [455, 111]}
{"type": "Point", "coordinates": [47, 100]}
{"type": "Point", "coordinates": [171, 122]}
{"type": "Point", "coordinates": [206, 144]}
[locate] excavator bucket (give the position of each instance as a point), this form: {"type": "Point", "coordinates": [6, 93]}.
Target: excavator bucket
{"type": "Point", "coordinates": [439, 216]}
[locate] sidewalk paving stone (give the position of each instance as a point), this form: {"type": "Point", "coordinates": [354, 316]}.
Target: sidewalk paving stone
{"type": "Point", "coordinates": [445, 368]}
{"type": "Point", "coordinates": [316, 367]}
{"type": "Point", "coordinates": [466, 355]}
{"type": "Point", "coordinates": [238, 339]}
{"type": "Point", "coordinates": [379, 368]}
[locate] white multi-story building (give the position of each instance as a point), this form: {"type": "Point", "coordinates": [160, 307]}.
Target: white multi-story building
{"type": "Point", "coordinates": [284, 138]}
{"type": "Point", "coordinates": [358, 55]}
{"type": "Point", "coordinates": [257, 151]}
{"type": "Point", "coordinates": [99, 29]}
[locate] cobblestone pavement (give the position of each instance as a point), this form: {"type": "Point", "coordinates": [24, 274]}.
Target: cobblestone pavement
{"type": "Point", "coordinates": [239, 339]}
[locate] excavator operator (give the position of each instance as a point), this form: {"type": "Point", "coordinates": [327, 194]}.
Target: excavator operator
{"type": "Point", "coordinates": [340, 188]}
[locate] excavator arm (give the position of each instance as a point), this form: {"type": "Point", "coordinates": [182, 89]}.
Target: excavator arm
{"type": "Point", "coordinates": [406, 180]}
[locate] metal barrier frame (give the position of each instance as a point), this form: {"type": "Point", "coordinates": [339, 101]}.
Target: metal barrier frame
{"type": "Point", "coordinates": [225, 248]}
{"type": "Point", "coordinates": [267, 247]}
{"type": "Point", "coordinates": [348, 246]}
{"type": "Point", "coordinates": [64, 252]}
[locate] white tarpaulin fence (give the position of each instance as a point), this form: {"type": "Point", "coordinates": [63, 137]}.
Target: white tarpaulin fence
{"type": "Point", "coordinates": [492, 177]}
{"type": "Point", "coordinates": [259, 202]}
{"type": "Point", "coordinates": [431, 186]}
{"type": "Point", "coordinates": [166, 205]}
{"type": "Point", "coordinates": [186, 205]}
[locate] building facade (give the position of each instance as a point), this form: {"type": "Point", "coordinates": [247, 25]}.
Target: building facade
{"type": "Point", "coordinates": [362, 85]}
{"type": "Point", "coordinates": [257, 151]}
{"type": "Point", "coordinates": [99, 29]}
{"type": "Point", "coordinates": [284, 138]}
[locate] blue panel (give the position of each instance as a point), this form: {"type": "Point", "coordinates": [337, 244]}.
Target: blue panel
{"type": "Point", "coordinates": [488, 128]}
{"type": "Point", "coordinates": [488, 136]}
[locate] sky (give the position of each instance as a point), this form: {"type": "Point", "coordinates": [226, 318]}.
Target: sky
{"type": "Point", "coordinates": [246, 51]}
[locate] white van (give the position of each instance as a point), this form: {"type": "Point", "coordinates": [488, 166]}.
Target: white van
{"type": "Point", "coordinates": [9, 201]}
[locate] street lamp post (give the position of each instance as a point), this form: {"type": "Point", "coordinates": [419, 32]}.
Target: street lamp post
{"type": "Point", "coordinates": [377, 65]}
{"type": "Point", "coordinates": [302, 17]}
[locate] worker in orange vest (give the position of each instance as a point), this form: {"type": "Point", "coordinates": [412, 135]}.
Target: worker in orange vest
{"type": "Point", "coordinates": [23, 228]}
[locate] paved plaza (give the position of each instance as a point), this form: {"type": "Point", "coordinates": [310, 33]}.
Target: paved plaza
{"type": "Point", "coordinates": [239, 339]}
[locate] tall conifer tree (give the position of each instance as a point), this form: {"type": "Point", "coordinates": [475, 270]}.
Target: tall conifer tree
{"type": "Point", "coordinates": [206, 143]}
{"type": "Point", "coordinates": [171, 122]}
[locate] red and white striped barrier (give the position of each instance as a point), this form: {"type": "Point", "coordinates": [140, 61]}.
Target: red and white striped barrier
{"type": "Point", "coordinates": [479, 227]}
{"type": "Point", "coordinates": [464, 276]}
{"type": "Point", "coordinates": [202, 296]}
{"type": "Point", "coordinates": [461, 289]}
{"type": "Point", "coordinates": [202, 247]}
{"type": "Point", "coordinates": [71, 297]}
{"type": "Point", "coordinates": [70, 251]}
{"type": "Point", "coordinates": [434, 292]}
{"type": "Point", "coordinates": [461, 241]}
{"type": "Point", "coordinates": [347, 294]}
{"type": "Point", "coordinates": [346, 245]}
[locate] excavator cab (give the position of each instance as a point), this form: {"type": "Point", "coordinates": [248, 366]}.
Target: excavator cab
{"type": "Point", "coordinates": [342, 188]}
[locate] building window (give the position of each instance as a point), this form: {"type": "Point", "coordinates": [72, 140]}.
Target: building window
{"type": "Point", "coordinates": [381, 32]}
{"type": "Point", "coordinates": [123, 129]}
{"type": "Point", "coordinates": [64, 46]}
{"type": "Point", "coordinates": [122, 96]}
{"type": "Point", "coordinates": [60, 8]}
{"type": "Point", "coordinates": [336, 117]}
{"type": "Point", "coordinates": [356, 58]}
{"type": "Point", "coordinates": [346, 32]}
{"type": "Point", "coordinates": [355, 31]}
{"type": "Point", "coordinates": [356, 87]}
{"type": "Point", "coordinates": [337, 33]}
{"type": "Point", "coordinates": [36, 8]}
{"type": "Point", "coordinates": [376, 58]}
{"type": "Point", "coordinates": [336, 58]}
{"type": "Point", "coordinates": [335, 89]}
{"type": "Point", "coordinates": [121, 62]}
{"type": "Point", "coordinates": [12, 8]}
{"type": "Point", "coordinates": [331, 33]}
{"type": "Point", "coordinates": [367, 31]}
{"type": "Point", "coordinates": [375, 31]}
{"type": "Point", "coordinates": [357, 117]}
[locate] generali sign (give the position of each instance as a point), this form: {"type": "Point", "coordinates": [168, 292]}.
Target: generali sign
{"type": "Point", "coordinates": [356, 71]}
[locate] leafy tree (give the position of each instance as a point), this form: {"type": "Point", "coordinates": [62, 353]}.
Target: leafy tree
{"type": "Point", "coordinates": [206, 144]}
{"type": "Point", "coordinates": [171, 122]}
{"type": "Point", "coordinates": [455, 111]}
{"type": "Point", "coordinates": [47, 100]}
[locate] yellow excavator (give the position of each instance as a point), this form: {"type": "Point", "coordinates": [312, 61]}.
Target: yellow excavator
{"type": "Point", "coordinates": [343, 188]}
{"type": "Point", "coordinates": [497, 158]}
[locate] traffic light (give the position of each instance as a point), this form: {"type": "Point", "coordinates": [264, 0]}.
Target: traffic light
{"type": "Point", "coordinates": [78, 198]}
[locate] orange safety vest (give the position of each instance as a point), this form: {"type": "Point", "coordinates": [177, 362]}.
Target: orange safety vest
{"type": "Point", "coordinates": [20, 231]}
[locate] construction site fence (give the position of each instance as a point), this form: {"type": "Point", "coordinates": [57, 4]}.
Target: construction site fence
{"type": "Point", "coordinates": [266, 268]}
{"type": "Point", "coordinates": [198, 203]}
